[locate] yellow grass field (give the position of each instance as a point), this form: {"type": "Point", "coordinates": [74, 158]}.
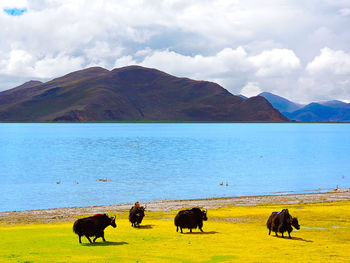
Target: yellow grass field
{"type": "Point", "coordinates": [232, 234]}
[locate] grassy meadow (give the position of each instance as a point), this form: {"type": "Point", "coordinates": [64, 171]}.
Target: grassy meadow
{"type": "Point", "coordinates": [235, 233]}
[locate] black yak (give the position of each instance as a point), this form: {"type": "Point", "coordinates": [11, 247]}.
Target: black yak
{"type": "Point", "coordinates": [136, 214]}
{"type": "Point", "coordinates": [191, 218]}
{"type": "Point", "coordinates": [282, 222]}
{"type": "Point", "coordinates": [93, 226]}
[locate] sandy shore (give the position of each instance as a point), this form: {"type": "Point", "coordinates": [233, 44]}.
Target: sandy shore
{"type": "Point", "coordinates": [69, 214]}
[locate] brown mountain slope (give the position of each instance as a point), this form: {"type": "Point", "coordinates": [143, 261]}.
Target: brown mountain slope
{"type": "Point", "coordinates": [130, 93]}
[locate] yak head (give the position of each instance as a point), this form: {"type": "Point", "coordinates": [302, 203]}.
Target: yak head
{"type": "Point", "coordinates": [142, 210]}
{"type": "Point", "coordinates": [204, 215]}
{"type": "Point", "coordinates": [295, 223]}
{"type": "Point", "coordinates": [113, 224]}
{"type": "Point", "coordinates": [105, 219]}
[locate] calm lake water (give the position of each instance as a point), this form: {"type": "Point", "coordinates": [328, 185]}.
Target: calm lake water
{"type": "Point", "coordinates": [147, 162]}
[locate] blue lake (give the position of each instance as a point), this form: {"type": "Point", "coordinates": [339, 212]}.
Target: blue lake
{"type": "Point", "coordinates": [155, 161]}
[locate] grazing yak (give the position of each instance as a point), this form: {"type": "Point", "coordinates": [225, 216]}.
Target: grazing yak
{"type": "Point", "coordinates": [282, 222]}
{"type": "Point", "coordinates": [136, 214]}
{"type": "Point", "coordinates": [191, 218]}
{"type": "Point", "coordinates": [93, 226]}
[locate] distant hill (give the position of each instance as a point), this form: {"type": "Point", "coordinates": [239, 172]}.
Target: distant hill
{"type": "Point", "coordinates": [321, 112]}
{"type": "Point", "coordinates": [335, 104]}
{"type": "Point", "coordinates": [280, 103]}
{"type": "Point", "coordinates": [127, 94]}
{"type": "Point", "coordinates": [333, 110]}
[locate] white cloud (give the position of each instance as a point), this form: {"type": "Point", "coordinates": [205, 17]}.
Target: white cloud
{"type": "Point", "coordinates": [275, 62]}
{"type": "Point", "coordinates": [224, 62]}
{"type": "Point", "coordinates": [22, 63]}
{"type": "Point", "coordinates": [251, 89]}
{"type": "Point", "coordinates": [102, 53]}
{"type": "Point", "coordinates": [18, 63]}
{"type": "Point", "coordinates": [59, 65]}
{"type": "Point", "coordinates": [336, 62]}
{"type": "Point", "coordinates": [233, 42]}
{"type": "Point", "coordinates": [13, 3]}
{"type": "Point", "coordinates": [227, 61]}
{"type": "Point", "coordinates": [143, 52]}
{"type": "Point", "coordinates": [124, 61]}
{"type": "Point", "coordinates": [344, 12]}
{"type": "Point", "coordinates": [326, 77]}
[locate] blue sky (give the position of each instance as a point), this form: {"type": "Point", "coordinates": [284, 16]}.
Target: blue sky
{"type": "Point", "coordinates": [15, 11]}
{"type": "Point", "coordinates": [296, 49]}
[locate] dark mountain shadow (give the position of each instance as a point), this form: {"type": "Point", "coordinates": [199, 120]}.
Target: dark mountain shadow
{"type": "Point", "coordinates": [201, 233]}
{"type": "Point", "coordinates": [104, 244]}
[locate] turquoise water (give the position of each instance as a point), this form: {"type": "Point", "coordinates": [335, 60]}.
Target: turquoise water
{"type": "Point", "coordinates": [165, 161]}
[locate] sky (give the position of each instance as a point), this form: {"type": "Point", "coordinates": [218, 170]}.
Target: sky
{"type": "Point", "coordinates": [298, 49]}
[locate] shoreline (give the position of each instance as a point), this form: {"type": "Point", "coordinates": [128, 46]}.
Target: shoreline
{"type": "Point", "coordinates": [71, 213]}
{"type": "Point", "coordinates": [169, 121]}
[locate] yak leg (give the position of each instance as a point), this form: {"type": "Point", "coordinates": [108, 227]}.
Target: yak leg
{"type": "Point", "coordinates": [190, 230]}
{"type": "Point", "coordinates": [289, 234]}
{"type": "Point", "coordinates": [177, 228]}
{"type": "Point", "coordinates": [89, 239]}
{"type": "Point", "coordinates": [181, 229]}
{"type": "Point", "coordinates": [103, 237]}
{"type": "Point", "coordinates": [282, 234]}
{"type": "Point", "coordinates": [201, 229]}
{"type": "Point", "coordinates": [80, 239]}
{"type": "Point", "coordinates": [269, 231]}
{"type": "Point", "coordinates": [97, 236]}
{"type": "Point", "coordinates": [276, 234]}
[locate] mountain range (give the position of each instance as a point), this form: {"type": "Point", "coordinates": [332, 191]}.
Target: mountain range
{"type": "Point", "coordinates": [130, 93]}
{"type": "Point", "coordinates": [333, 110]}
